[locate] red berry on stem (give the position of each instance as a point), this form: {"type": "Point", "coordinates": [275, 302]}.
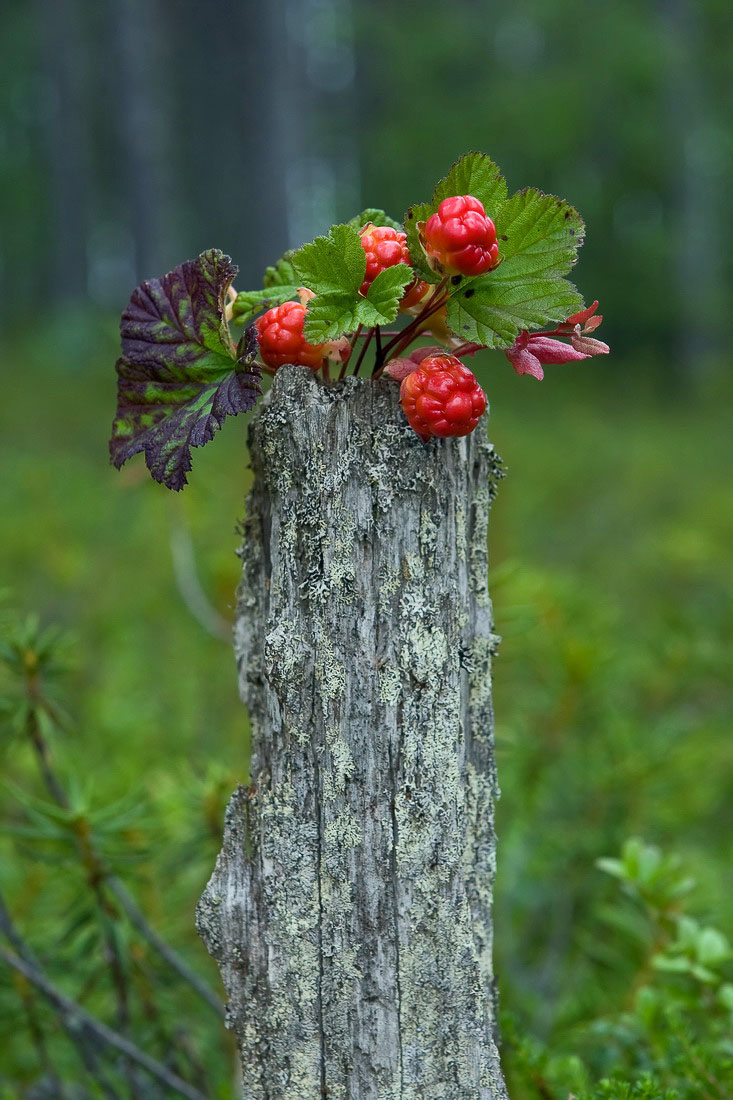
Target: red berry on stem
{"type": "Point", "coordinates": [280, 334]}
{"type": "Point", "coordinates": [462, 237]}
{"type": "Point", "coordinates": [385, 247]}
{"type": "Point", "coordinates": [442, 398]}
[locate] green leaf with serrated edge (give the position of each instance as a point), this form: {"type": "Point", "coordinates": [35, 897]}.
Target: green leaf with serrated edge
{"type": "Point", "coordinates": [281, 273]}
{"type": "Point", "coordinates": [386, 291]}
{"type": "Point", "coordinates": [335, 264]}
{"type": "Point", "coordinates": [180, 375]}
{"type": "Point", "coordinates": [280, 284]}
{"type": "Point", "coordinates": [492, 311]}
{"type": "Point", "coordinates": [538, 234]}
{"type": "Point", "coordinates": [474, 174]}
{"type": "Point", "coordinates": [332, 314]}
{"type": "Point", "coordinates": [375, 216]}
{"type": "Point", "coordinates": [249, 303]}
{"type": "Point", "coordinates": [334, 268]}
{"type": "Point", "coordinates": [419, 213]}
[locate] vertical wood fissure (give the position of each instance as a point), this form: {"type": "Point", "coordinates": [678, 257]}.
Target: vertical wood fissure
{"type": "Point", "coordinates": [396, 915]}
{"type": "Point", "coordinates": [319, 880]}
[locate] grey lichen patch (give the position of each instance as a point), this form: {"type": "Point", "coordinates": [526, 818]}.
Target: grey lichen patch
{"type": "Point", "coordinates": [425, 652]}
{"type": "Point", "coordinates": [480, 675]}
{"type": "Point", "coordinates": [428, 537]}
{"type": "Point", "coordinates": [390, 685]}
{"type": "Point", "coordinates": [389, 583]}
{"type": "Point", "coordinates": [340, 767]}
{"type": "Point", "coordinates": [461, 534]}
{"type": "Point", "coordinates": [343, 832]}
{"type": "Point", "coordinates": [353, 929]}
{"type": "Point", "coordinates": [330, 672]}
{"type": "Point", "coordinates": [340, 565]}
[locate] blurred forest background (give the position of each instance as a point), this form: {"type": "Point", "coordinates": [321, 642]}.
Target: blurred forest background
{"type": "Point", "coordinates": [134, 134]}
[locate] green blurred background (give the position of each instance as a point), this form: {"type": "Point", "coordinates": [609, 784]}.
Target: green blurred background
{"type": "Point", "coordinates": [135, 133]}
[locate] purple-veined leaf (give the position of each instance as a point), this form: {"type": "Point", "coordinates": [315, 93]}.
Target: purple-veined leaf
{"type": "Point", "coordinates": [180, 374]}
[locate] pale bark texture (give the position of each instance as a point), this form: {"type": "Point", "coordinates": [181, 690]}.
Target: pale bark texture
{"type": "Point", "coordinates": [350, 907]}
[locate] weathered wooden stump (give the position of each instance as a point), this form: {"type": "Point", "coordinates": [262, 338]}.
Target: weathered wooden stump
{"type": "Point", "coordinates": [350, 907]}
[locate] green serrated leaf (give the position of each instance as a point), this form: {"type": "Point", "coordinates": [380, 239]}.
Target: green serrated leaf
{"type": "Point", "coordinates": [474, 174]}
{"type": "Point", "coordinates": [334, 268]}
{"type": "Point", "coordinates": [249, 303]}
{"type": "Point", "coordinates": [179, 376]}
{"type": "Point", "coordinates": [332, 314]}
{"type": "Point", "coordinates": [492, 310]}
{"type": "Point", "coordinates": [416, 214]}
{"type": "Point", "coordinates": [282, 273]}
{"type": "Point", "coordinates": [538, 234]}
{"type": "Point", "coordinates": [335, 264]}
{"type": "Point", "coordinates": [375, 216]}
{"type": "Point", "coordinates": [384, 295]}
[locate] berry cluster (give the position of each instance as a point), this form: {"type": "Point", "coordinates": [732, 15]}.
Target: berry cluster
{"type": "Point", "coordinates": [441, 396]}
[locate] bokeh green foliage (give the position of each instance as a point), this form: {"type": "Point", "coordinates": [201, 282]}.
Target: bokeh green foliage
{"type": "Point", "coordinates": [610, 574]}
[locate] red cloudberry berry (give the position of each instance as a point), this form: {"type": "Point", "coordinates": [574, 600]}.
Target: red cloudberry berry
{"type": "Point", "coordinates": [385, 247]}
{"type": "Point", "coordinates": [280, 333]}
{"type": "Point", "coordinates": [461, 237]}
{"type": "Point", "coordinates": [442, 397]}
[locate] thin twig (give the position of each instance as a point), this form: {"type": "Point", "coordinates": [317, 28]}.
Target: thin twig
{"type": "Point", "coordinates": [164, 949]}
{"type": "Point", "coordinates": [431, 306]}
{"type": "Point", "coordinates": [354, 338]}
{"type": "Point", "coordinates": [102, 873]}
{"type": "Point", "coordinates": [75, 1016]}
{"type": "Point", "coordinates": [90, 859]}
{"type": "Point", "coordinates": [364, 347]}
{"type": "Point", "coordinates": [7, 927]}
{"type": "Point", "coordinates": [189, 585]}
{"type": "Point", "coordinates": [379, 356]}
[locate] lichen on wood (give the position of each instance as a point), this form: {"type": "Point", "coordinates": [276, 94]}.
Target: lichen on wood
{"type": "Point", "coordinates": [350, 907]}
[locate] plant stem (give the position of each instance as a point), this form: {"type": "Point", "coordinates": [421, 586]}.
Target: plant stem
{"type": "Point", "coordinates": [354, 338]}
{"type": "Point", "coordinates": [433, 304]}
{"type": "Point", "coordinates": [364, 347]}
{"type": "Point", "coordinates": [379, 356]}
{"type": "Point", "coordinates": [411, 332]}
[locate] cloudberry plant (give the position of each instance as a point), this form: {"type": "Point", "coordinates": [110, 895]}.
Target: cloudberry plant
{"type": "Point", "coordinates": [335, 299]}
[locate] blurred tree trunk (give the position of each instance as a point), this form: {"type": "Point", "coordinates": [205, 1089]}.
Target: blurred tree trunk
{"type": "Point", "coordinates": [696, 181]}
{"type": "Point", "coordinates": [143, 132]}
{"type": "Point", "coordinates": [350, 908]}
{"type": "Point", "coordinates": [66, 134]}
